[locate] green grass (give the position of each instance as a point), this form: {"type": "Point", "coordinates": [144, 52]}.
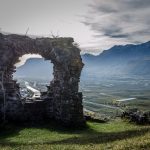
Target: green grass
{"type": "Point", "coordinates": [115, 135]}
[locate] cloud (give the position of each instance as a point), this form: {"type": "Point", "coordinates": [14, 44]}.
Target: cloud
{"type": "Point", "coordinates": [24, 58]}
{"type": "Point", "coordinates": [124, 20]}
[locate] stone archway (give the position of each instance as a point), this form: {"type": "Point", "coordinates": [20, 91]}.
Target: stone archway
{"type": "Point", "coordinates": [62, 102]}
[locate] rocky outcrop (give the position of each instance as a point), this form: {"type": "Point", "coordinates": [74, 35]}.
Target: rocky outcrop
{"type": "Point", "coordinates": [62, 101]}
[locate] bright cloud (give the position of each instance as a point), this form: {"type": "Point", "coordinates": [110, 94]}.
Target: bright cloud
{"type": "Point", "coordinates": [94, 24]}
{"type": "Point", "coordinates": [119, 21]}
{"type": "Point", "coordinates": [25, 57]}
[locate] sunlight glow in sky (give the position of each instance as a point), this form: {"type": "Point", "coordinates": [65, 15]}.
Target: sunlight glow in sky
{"type": "Point", "coordinates": [25, 57]}
{"type": "Point", "coordinates": [95, 25]}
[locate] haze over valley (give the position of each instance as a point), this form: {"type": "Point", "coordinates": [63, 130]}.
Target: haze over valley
{"type": "Point", "coordinates": [121, 73]}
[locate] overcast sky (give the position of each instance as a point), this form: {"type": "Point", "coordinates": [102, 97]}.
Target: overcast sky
{"type": "Point", "coordinates": [95, 24]}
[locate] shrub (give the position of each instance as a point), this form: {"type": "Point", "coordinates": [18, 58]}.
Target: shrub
{"type": "Point", "coordinates": [137, 116]}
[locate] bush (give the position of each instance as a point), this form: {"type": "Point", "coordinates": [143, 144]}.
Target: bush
{"type": "Point", "coordinates": [137, 116]}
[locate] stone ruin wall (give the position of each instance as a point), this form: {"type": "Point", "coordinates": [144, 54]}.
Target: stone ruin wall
{"type": "Point", "coordinates": [62, 101]}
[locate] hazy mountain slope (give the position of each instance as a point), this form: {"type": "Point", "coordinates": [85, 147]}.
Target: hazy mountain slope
{"type": "Point", "coordinates": [128, 59]}
{"type": "Point", "coordinates": [35, 68]}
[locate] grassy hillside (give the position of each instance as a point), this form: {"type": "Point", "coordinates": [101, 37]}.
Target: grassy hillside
{"type": "Point", "coordinates": [115, 135]}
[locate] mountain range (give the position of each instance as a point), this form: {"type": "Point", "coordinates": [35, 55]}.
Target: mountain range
{"type": "Point", "coordinates": [119, 60]}
{"type": "Point", "coordinates": [35, 68]}
{"type": "Point", "coordinates": [129, 59]}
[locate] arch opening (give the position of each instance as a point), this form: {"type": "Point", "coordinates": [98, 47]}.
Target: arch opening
{"type": "Point", "coordinates": [33, 74]}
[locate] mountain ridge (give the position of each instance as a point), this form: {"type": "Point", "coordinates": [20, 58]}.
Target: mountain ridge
{"type": "Point", "coordinates": [121, 59]}
{"type": "Point", "coordinates": [127, 59]}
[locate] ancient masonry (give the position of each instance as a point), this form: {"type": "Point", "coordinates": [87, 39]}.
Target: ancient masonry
{"type": "Point", "coordinates": [62, 101]}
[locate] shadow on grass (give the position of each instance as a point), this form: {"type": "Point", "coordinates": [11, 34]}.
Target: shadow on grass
{"type": "Point", "coordinates": [13, 129]}
{"type": "Point", "coordinates": [82, 137]}
{"type": "Point", "coordinates": [100, 137]}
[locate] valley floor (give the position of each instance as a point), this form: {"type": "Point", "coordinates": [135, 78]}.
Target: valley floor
{"type": "Point", "coordinates": [114, 135]}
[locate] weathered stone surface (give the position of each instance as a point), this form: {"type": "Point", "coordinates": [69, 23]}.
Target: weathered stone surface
{"type": "Point", "coordinates": [62, 100]}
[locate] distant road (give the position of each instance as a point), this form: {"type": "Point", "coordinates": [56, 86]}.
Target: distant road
{"type": "Point", "coordinates": [103, 105]}
{"type": "Point", "coordinates": [36, 92]}
{"type": "Point", "coordinates": [31, 88]}
{"type": "Point", "coordinates": [126, 99]}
